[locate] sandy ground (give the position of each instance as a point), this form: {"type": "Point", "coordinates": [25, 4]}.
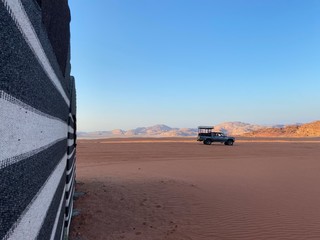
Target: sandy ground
{"type": "Point", "coordinates": [173, 189]}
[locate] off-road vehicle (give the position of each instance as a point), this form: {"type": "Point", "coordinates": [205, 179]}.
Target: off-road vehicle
{"type": "Point", "coordinates": [207, 136]}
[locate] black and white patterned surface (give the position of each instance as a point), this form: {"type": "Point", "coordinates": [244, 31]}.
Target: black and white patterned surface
{"type": "Point", "coordinates": [37, 128]}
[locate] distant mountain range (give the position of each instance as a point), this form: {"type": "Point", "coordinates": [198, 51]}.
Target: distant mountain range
{"type": "Point", "coordinates": [230, 128]}
{"type": "Point", "coordinates": [159, 130]}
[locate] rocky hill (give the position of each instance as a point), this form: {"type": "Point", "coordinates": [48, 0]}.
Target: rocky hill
{"type": "Point", "coordinates": [236, 128]}
{"type": "Point", "coordinates": [304, 130]}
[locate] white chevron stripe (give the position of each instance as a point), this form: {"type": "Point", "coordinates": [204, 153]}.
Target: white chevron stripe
{"type": "Point", "coordinates": [69, 216]}
{"type": "Point", "coordinates": [70, 196]}
{"type": "Point", "coordinates": [73, 166]}
{"type": "Point", "coordinates": [70, 155]}
{"type": "Point", "coordinates": [70, 115]}
{"type": "Point", "coordinates": [6, 162]}
{"type": "Point", "coordinates": [24, 131]}
{"type": "Point", "coordinates": [71, 130]}
{"type": "Point", "coordinates": [30, 222]}
{"type": "Point", "coordinates": [70, 142]}
{"type": "Point", "coordinates": [17, 12]}
{"type": "Point", "coordinates": [68, 186]}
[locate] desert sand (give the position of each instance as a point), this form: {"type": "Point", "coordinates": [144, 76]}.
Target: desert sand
{"type": "Point", "coordinates": [171, 188]}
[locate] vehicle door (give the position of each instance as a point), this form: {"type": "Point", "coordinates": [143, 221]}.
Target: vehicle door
{"type": "Point", "coordinates": [214, 137]}
{"type": "Point", "coordinates": [221, 137]}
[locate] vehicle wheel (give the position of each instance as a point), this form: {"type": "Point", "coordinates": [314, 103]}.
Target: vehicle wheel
{"type": "Point", "coordinates": [207, 142]}
{"type": "Point", "coordinates": [229, 142]}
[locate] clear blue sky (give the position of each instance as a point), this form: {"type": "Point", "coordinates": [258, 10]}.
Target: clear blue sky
{"type": "Point", "coordinates": [186, 63]}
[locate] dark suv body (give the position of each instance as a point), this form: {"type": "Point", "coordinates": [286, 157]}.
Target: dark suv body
{"type": "Point", "coordinates": [207, 136]}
